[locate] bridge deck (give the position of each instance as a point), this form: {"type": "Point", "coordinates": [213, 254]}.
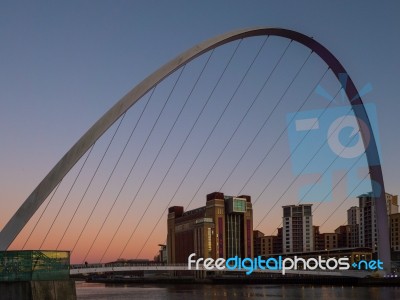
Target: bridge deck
{"type": "Point", "coordinates": [99, 268]}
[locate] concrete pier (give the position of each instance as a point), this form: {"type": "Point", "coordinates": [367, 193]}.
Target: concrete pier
{"type": "Point", "coordinates": [36, 275]}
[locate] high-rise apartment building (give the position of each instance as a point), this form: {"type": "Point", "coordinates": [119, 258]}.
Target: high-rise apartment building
{"type": "Point", "coordinates": [368, 234]}
{"type": "Point", "coordinates": [278, 241]}
{"type": "Point", "coordinates": [353, 221]}
{"type": "Point", "coordinates": [395, 236]}
{"type": "Point", "coordinates": [222, 228]}
{"type": "Point", "coordinates": [319, 242]}
{"type": "Point", "coordinates": [297, 232]}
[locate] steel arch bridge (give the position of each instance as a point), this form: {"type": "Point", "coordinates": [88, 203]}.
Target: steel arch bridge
{"type": "Point", "coordinates": [47, 185]}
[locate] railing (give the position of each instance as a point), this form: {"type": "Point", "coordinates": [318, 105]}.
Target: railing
{"type": "Point", "coordinates": [122, 264]}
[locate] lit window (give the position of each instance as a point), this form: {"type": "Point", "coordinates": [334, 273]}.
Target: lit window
{"type": "Point", "coordinates": [239, 205]}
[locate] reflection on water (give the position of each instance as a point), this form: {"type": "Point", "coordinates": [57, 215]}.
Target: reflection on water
{"type": "Point", "coordinates": [211, 292]}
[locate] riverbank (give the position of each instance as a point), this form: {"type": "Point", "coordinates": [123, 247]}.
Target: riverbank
{"type": "Point", "coordinates": [309, 280]}
{"type": "Point", "coordinates": [96, 291]}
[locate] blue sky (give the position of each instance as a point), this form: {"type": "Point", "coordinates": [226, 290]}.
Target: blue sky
{"type": "Point", "coordinates": [63, 64]}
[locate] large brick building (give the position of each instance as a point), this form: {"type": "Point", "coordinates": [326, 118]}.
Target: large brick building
{"type": "Point", "coordinates": [222, 228]}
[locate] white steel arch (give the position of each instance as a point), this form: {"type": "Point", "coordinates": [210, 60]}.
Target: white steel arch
{"type": "Point", "coordinates": [46, 186]}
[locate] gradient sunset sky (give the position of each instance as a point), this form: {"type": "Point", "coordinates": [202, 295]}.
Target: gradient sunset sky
{"type": "Point", "coordinates": [64, 64]}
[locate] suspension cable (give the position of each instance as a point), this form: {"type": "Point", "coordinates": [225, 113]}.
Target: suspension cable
{"type": "Point", "coordinates": [323, 173]}
{"type": "Point", "coordinates": [362, 180]}
{"type": "Point", "coordinates": [186, 138]}
{"type": "Point", "coordinates": [252, 63]}
{"type": "Point", "coordinates": [91, 180]}
{"type": "Point", "coordinates": [287, 159]}
{"type": "Point", "coordinates": [171, 129]}
{"type": "Point", "coordinates": [165, 104]}
{"type": "Point", "coordinates": [41, 215]}
{"type": "Point", "coordinates": [169, 202]}
{"type": "Point", "coordinates": [66, 197]}
{"type": "Point", "coordinates": [119, 158]}
{"type": "Point", "coordinates": [186, 101]}
{"type": "Point", "coordinates": [239, 124]}
{"type": "Point", "coordinates": [226, 106]}
{"type": "Point", "coordinates": [280, 136]}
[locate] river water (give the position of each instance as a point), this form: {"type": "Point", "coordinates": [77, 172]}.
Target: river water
{"type": "Point", "coordinates": [211, 292]}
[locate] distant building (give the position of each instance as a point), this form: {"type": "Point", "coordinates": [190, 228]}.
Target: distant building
{"type": "Point", "coordinates": [319, 243]}
{"type": "Point", "coordinates": [395, 236]}
{"type": "Point", "coordinates": [368, 235]}
{"type": "Point", "coordinates": [162, 254]}
{"type": "Point", "coordinates": [344, 235]}
{"type": "Point", "coordinates": [267, 245]}
{"type": "Point", "coordinates": [330, 240]}
{"type": "Point", "coordinates": [353, 255]}
{"type": "Point", "coordinates": [297, 233]}
{"type": "Point", "coordinates": [278, 241]}
{"type": "Point", "coordinates": [353, 221]}
{"type": "Point", "coordinates": [223, 228]}
{"type": "Point", "coordinates": [392, 204]}
{"type": "Point", "coordinates": [257, 235]}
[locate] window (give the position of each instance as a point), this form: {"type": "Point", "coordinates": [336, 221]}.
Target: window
{"type": "Point", "coordinates": [209, 239]}
{"type": "Point", "coordinates": [239, 205]}
{"type": "Point", "coordinates": [307, 210]}
{"type": "Point", "coordinates": [286, 212]}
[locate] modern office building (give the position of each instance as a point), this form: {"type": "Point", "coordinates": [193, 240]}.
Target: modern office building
{"type": "Point", "coordinates": [297, 232]}
{"type": "Point", "coordinates": [222, 228]}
